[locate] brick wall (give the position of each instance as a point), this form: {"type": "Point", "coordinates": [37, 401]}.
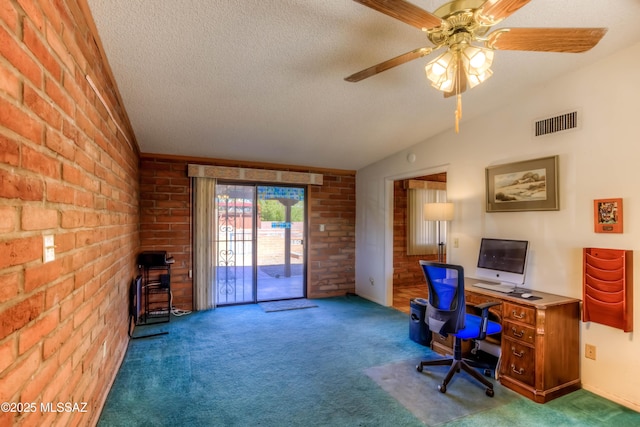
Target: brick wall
{"type": "Point", "coordinates": [165, 224]}
{"type": "Point", "coordinates": [165, 220]}
{"type": "Point", "coordinates": [66, 172]}
{"type": "Point", "coordinates": [406, 269]}
{"type": "Point", "coordinates": [331, 253]}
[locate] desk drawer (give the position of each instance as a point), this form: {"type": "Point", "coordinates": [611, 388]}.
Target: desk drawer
{"type": "Point", "coordinates": [518, 361]}
{"type": "Point", "coordinates": [519, 313]}
{"type": "Point", "coordinates": [519, 332]}
{"type": "Point", "coordinates": [476, 299]}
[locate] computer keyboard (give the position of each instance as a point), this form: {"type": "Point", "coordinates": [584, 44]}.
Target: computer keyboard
{"type": "Point", "coordinates": [498, 287]}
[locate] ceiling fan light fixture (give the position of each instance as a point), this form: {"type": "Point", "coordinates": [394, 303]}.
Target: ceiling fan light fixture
{"type": "Point", "coordinates": [480, 58]}
{"type": "Point", "coordinates": [476, 63]}
{"type": "Point", "coordinates": [474, 80]}
{"type": "Point", "coordinates": [441, 71]}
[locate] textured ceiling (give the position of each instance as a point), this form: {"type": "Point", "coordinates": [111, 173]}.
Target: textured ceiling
{"type": "Point", "coordinates": [263, 80]}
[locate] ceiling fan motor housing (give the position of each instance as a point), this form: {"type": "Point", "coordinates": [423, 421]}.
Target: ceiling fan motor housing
{"type": "Point", "coordinates": [460, 23]}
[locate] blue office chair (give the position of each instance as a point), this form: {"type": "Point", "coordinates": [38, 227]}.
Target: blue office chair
{"type": "Point", "coordinates": [447, 315]}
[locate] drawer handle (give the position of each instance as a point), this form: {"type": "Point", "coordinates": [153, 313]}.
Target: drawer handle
{"type": "Point", "coordinates": [516, 334]}
{"type": "Point", "coordinates": [515, 353]}
{"type": "Point", "coordinates": [518, 316]}
{"type": "Point", "coordinates": [519, 371]}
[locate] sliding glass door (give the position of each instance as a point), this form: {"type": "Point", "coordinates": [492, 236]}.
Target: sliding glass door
{"type": "Point", "coordinates": [235, 244]}
{"type": "Point", "coordinates": [260, 252]}
{"type": "Point", "coordinates": [280, 243]}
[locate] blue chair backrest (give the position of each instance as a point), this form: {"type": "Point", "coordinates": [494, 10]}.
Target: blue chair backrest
{"type": "Point", "coordinates": [446, 310]}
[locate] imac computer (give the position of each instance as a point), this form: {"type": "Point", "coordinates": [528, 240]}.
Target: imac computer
{"type": "Point", "coordinates": [503, 261]}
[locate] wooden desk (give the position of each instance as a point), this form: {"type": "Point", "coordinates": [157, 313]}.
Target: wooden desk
{"type": "Point", "coordinates": [540, 343]}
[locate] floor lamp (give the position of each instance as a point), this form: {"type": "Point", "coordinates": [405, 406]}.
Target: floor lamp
{"type": "Point", "coordinates": [438, 212]}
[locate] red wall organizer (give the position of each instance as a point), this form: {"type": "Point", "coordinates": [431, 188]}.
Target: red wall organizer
{"type": "Point", "coordinates": [607, 287]}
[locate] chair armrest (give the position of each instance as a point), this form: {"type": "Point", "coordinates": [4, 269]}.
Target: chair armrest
{"type": "Point", "coordinates": [485, 307]}
{"type": "Point", "coordinates": [487, 304]}
{"type": "Point", "coordinates": [485, 317]}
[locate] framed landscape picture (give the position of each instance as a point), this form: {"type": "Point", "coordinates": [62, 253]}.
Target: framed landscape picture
{"type": "Point", "coordinates": [607, 215]}
{"type": "Point", "coordinates": [530, 185]}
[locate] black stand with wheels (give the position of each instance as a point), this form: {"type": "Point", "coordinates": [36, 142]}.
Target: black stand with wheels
{"type": "Point", "coordinates": [135, 291]}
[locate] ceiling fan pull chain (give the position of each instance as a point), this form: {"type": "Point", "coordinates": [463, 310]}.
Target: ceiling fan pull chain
{"type": "Point", "coordinates": [458, 113]}
{"type": "Point", "coordinates": [458, 100]}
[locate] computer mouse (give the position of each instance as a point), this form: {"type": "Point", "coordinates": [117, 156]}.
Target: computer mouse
{"type": "Point", "coordinates": [526, 295]}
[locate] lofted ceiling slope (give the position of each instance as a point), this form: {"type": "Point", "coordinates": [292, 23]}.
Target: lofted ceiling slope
{"type": "Point", "coordinates": [263, 81]}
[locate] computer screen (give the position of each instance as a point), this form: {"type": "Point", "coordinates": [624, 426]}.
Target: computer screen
{"type": "Point", "coordinates": [503, 260]}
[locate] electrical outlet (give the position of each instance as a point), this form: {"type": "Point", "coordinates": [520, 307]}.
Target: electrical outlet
{"type": "Point", "coordinates": [371, 281]}
{"type": "Point", "coordinates": [590, 351]}
{"type": "Point", "coordinates": [456, 242]}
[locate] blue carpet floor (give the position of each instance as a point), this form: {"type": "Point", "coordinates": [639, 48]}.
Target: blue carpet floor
{"type": "Point", "coordinates": [333, 365]}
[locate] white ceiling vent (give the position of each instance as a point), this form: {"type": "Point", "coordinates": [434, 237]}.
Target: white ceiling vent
{"type": "Point", "coordinates": [561, 123]}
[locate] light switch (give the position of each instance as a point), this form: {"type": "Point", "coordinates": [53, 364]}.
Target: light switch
{"type": "Point", "coordinates": [49, 248]}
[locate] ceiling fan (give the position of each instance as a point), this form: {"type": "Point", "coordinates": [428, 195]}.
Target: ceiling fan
{"type": "Point", "coordinates": [462, 28]}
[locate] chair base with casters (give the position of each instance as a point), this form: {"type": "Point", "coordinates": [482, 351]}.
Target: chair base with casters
{"type": "Point", "coordinates": [457, 363]}
{"type": "Point", "coordinates": [473, 324]}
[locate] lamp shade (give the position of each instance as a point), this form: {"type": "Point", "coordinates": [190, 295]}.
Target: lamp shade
{"type": "Point", "coordinates": [438, 211]}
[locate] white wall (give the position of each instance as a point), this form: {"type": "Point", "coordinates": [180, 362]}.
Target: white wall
{"type": "Point", "coordinates": [600, 160]}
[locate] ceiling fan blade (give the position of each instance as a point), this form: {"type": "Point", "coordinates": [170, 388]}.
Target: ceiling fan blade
{"type": "Point", "coordinates": [570, 40]}
{"type": "Point", "coordinates": [405, 12]}
{"type": "Point", "coordinates": [493, 11]}
{"type": "Point", "coordinates": [384, 66]}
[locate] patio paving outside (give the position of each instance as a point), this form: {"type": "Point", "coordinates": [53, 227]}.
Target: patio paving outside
{"type": "Point", "coordinates": [235, 284]}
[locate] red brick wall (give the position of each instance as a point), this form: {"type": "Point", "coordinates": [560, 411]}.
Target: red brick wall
{"type": "Point", "coordinates": [64, 171]}
{"type": "Point", "coordinates": [165, 220]}
{"type": "Point", "coordinates": [165, 224]}
{"type": "Point", "coordinates": [406, 269]}
{"type": "Point", "coordinates": [331, 253]}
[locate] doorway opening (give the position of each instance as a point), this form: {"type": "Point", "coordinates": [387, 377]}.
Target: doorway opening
{"type": "Point", "coordinates": [408, 278]}
{"type": "Point", "coordinates": [259, 248]}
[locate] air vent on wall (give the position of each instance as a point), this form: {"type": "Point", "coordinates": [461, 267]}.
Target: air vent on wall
{"type": "Point", "coordinates": [561, 123]}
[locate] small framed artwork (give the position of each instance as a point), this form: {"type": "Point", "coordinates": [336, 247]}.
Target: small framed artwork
{"type": "Point", "coordinates": [607, 215]}
{"type": "Point", "coordinates": [531, 185]}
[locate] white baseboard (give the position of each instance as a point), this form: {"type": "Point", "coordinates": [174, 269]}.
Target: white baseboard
{"type": "Point", "coordinates": [613, 398]}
